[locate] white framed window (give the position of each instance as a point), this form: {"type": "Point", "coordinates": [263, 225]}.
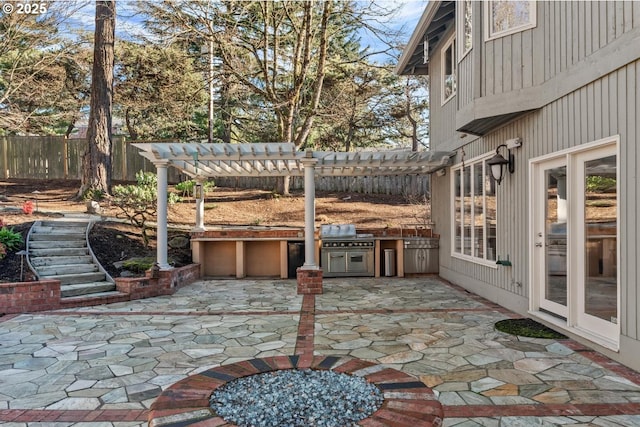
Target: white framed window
{"type": "Point", "coordinates": [464, 28]}
{"type": "Point", "coordinates": [474, 212]}
{"type": "Point", "coordinates": [449, 70]}
{"type": "Point", "coordinates": [505, 17]}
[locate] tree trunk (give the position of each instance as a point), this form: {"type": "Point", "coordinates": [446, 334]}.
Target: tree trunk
{"type": "Point", "coordinates": [96, 162]}
{"type": "Point", "coordinates": [412, 121]}
{"type": "Point", "coordinates": [133, 134]}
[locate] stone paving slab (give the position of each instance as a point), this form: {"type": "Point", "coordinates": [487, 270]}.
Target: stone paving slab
{"type": "Point", "coordinates": [106, 365]}
{"type": "Point", "coordinates": [212, 296]}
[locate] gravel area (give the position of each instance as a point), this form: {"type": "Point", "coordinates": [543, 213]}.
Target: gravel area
{"type": "Point", "coordinates": [297, 398]}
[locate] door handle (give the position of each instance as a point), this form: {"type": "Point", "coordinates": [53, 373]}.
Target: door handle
{"type": "Point", "coordinates": [538, 245]}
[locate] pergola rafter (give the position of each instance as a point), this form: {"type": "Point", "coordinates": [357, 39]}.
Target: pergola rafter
{"type": "Point", "coordinates": [204, 160]}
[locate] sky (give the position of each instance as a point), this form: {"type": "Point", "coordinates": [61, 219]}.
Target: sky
{"type": "Point", "coordinates": [405, 20]}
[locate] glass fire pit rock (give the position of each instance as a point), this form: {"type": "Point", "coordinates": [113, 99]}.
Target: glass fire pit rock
{"type": "Point", "coordinates": [297, 398]}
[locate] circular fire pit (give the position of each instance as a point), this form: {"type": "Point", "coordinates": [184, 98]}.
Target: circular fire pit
{"type": "Point", "coordinates": [403, 398]}
{"type": "Point", "coordinates": [296, 398]}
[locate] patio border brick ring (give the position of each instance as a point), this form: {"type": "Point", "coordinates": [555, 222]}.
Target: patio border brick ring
{"type": "Point", "coordinates": [407, 401]}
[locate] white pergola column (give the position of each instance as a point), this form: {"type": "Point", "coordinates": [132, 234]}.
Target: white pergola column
{"type": "Point", "coordinates": [309, 211]}
{"type": "Point", "coordinates": [161, 223]}
{"type": "Point", "coordinates": [199, 206]}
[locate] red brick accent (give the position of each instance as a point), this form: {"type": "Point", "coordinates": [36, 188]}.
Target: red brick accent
{"type": "Point", "coordinates": [24, 297]}
{"type": "Point", "coordinates": [309, 281]}
{"type": "Point", "coordinates": [248, 233]}
{"type": "Point", "coordinates": [540, 410]}
{"type": "Point", "coordinates": [41, 415]}
{"type": "Point", "coordinates": [422, 409]}
{"type": "Point", "coordinates": [45, 295]}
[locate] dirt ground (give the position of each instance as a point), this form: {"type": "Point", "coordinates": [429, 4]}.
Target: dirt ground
{"type": "Point", "coordinates": [223, 206]}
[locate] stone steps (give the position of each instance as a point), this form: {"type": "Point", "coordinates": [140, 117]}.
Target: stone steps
{"type": "Point", "coordinates": [59, 250]}
{"type": "Point", "coordinates": [84, 289]}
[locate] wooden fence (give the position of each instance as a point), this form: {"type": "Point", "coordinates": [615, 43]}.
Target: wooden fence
{"type": "Point", "coordinates": [51, 157]}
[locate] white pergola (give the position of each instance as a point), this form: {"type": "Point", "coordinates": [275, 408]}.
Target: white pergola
{"type": "Point", "coordinates": [204, 160]}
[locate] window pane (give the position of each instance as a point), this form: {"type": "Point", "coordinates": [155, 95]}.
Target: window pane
{"type": "Point", "coordinates": [506, 15]}
{"type": "Point", "coordinates": [600, 214]}
{"type": "Point", "coordinates": [478, 212]}
{"type": "Point", "coordinates": [466, 181]}
{"type": "Point", "coordinates": [556, 229]}
{"type": "Point", "coordinates": [466, 16]}
{"type": "Point", "coordinates": [449, 72]}
{"type": "Point", "coordinates": [490, 212]}
{"type": "Point", "coordinates": [457, 211]}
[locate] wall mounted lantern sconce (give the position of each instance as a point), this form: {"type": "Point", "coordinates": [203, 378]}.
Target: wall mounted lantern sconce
{"type": "Point", "coordinates": [498, 164]}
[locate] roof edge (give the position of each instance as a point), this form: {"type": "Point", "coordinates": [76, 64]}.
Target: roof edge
{"type": "Point", "coordinates": [425, 20]}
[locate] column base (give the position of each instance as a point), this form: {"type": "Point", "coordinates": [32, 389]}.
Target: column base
{"type": "Point", "coordinates": [309, 281]}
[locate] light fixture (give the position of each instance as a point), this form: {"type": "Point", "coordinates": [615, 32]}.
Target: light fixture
{"type": "Point", "coordinates": [498, 163]}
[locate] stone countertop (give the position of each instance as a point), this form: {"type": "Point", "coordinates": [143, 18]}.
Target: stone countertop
{"type": "Point", "coordinates": [266, 232]}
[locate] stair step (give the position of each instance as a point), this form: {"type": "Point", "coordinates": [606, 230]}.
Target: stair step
{"type": "Point", "coordinates": [39, 237]}
{"type": "Point", "coordinates": [55, 252]}
{"type": "Point", "coordinates": [94, 299]}
{"type": "Point", "coordinates": [45, 261]}
{"type": "Point", "coordinates": [64, 224]}
{"type": "Point", "coordinates": [86, 289]}
{"type": "Point", "coordinates": [66, 269]}
{"type": "Point", "coordinates": [73, 279]}
{"type": "Point", "coordinates": [48, 244]}
{"type": "Point", "coordinates": [58, 230]}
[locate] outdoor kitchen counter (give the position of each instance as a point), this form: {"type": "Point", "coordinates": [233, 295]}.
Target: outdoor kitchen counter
{"type": "Point", "coordinates": [262, 251]}
{"type": "Point", "coordinates": [256, 251]}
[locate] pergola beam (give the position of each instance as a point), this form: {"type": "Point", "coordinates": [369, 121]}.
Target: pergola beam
{"type": "Point", "coordinates": [205, 160]}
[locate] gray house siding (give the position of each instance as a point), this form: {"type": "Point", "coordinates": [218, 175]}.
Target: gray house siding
{"type": "Point", "coordinates": [606, 107]}
{"type": "Point", "coordinates": [441, 116]}
{"type": "Point", "coordinates": [571, 80]}
{"type": "Point", "coordinates": [565, 34]}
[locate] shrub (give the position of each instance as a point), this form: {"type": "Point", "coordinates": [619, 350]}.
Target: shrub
{"type": "Point", "coordinates": [138, 203]}
{"type": "Point", "coordinates": [93, 194]}
{"type": "Point", "coordinates": [10, 239]}
{"type": "Point", "coordinates": [27, 207]}
{"type": "Point", "coordinates": [138, 265]}
{"type": "Point", "coordinates": [188, 187]}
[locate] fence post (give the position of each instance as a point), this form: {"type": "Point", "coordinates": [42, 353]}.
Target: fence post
{"type": "Point", "coordinates": [125, 154]}
{"type": "Point", "coordinates": [5, 164]}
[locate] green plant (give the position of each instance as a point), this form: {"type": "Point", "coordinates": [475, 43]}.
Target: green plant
{"type": "Point", "coordinates": [601, 184]}
{"type": "Point", "coordinates": [93, 194]}
{"type": "Point", "coordinates": [527, 328]}
{"type": "Point", "coordinates": [187, 187]}
{"type": "Point", "coordinates": [138, 265]}
{"type": "Point", "coordinates": [10, 239]}
{"type": "Point", "coordinates": [138, 203]}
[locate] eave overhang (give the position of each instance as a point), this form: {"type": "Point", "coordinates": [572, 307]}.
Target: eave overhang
{"type": "Point", "coordinates": [437, 18]}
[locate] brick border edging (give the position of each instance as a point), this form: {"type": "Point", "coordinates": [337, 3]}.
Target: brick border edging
{"type": "Point", "coordinates": [407, 401]}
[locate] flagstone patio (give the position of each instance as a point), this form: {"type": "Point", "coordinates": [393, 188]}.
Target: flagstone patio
{"type": "Point", "coordinates": [107, 365]}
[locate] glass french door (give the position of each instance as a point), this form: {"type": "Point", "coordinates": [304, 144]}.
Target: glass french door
{"type": "Point", "coordinates": [574, 262]}
{"type": "Point", "coordinates": [550, 247]}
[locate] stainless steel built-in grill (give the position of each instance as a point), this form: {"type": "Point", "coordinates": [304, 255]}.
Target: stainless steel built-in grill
{"type": "Point", "coordinates": [345, 253]}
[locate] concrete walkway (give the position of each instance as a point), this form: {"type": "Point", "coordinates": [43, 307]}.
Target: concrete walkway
{"type": "Point", "coordinates": [104, 366]}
